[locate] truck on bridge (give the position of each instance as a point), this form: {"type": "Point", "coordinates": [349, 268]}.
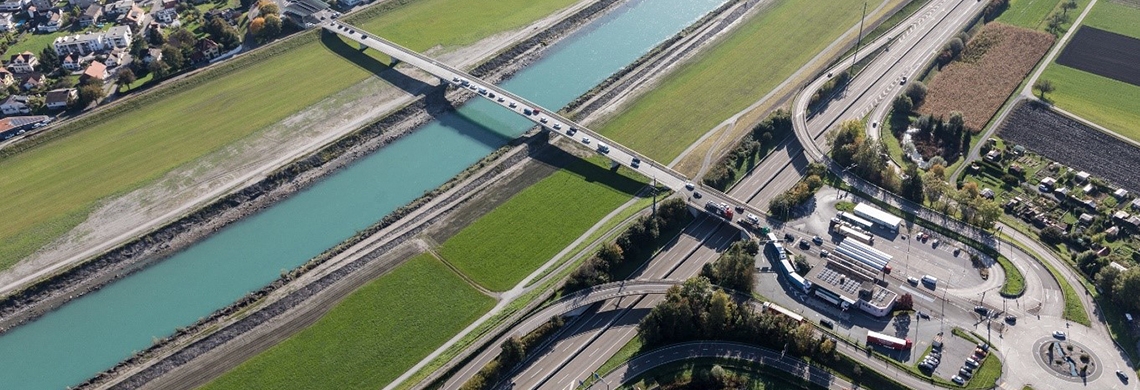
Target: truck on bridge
{"type": "Point", "coordinates": [719, 209]}
{"type": "Point", "coordinates": [888, 341]}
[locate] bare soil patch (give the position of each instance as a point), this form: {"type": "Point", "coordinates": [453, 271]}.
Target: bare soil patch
{"type": "Point", "coordinates": [988, 70]}
{"type": "Point", "coordinates": [1069, 142]}
{"type": "Point", "coordinates": [1105, 54]}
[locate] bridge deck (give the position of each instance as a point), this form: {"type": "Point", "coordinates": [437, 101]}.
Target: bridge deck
{"type": "Point", "coordinates": [544, 117]}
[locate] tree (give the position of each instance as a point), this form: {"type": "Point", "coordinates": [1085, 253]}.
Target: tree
{"type": "Point", "coordinates": [905, 302]}
{"type": "Point", "coordinates": [159, 69]}
{"type": "Point", "coordinates": [267, 7]}
{"type": "Point", "coordinates": [513, 352]}
{"type": "Point", "coordinates": [1056, 22]}
{"type": "Point", "coordinates": [988, 212]}
{"type": "Point", "coordinates": [902, 105]}
{"type": "Point", "coordinates": [223, 33]}
{"type": "Point", "coordinates": [1105, 280]}
{"type": "Point", "coordinates": [1043, 86]}
{"type": "Point", "coordinates": [1127, 288]}
{"type": "Point", "coordinates": [256, 26]}
{"type": "Point", "coordinates": [126, 77]}
{"type": "Point", "coordinates": [912, 187]}
{"type": "Point", "coordinates": [1068, 5]}
{"type": "Point", "coordinates": [916, 91]}
{"type": "Point", "coordinates": [89, 94]}
{"type": "Point", "coordinates": [49, 59]}
{"type": "Point", "coordinates": [1051, 235]}
{"type": "Point", "coordinates": [272, 27]}
{"type": "Point", "coordinates": [173, 57]}
{"type": "Point", "coordinates": [155, 38]}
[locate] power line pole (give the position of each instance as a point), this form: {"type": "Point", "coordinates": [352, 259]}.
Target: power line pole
{"type": "Point", "coordinates": [860, 38]}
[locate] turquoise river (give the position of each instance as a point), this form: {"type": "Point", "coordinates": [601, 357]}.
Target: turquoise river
{"type": "Point", "coordinates": [93, 333]}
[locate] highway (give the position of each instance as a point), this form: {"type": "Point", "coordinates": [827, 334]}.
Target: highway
{"type": "Point", "coordinates": [694, 350]}
{"type": "Point", "coordinates": [569, 358]}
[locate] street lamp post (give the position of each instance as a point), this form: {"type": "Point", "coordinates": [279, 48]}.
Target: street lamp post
{"type": "Point", "coordinates": [860, 38]}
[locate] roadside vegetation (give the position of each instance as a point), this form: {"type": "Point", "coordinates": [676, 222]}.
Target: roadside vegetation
{"type": "Point", "coordinates": [1036, 14]}
{"type": "Point", "coordinates": [514, 351]}
{"type": "Point", "coordinates": [616, 260]}
{"type": "Point", "coordinates": [734, 268]}
{"type": "Point", "coordinates": [723, 80]}
{"type": "Point", "coordinates": [127, 146]}
{"type": "Point", "coordinates": [508, 243]}
{"type": "Point", "coordinates": [371, 336]}
{"type": "Point", "coordinates": [784, 205]}
{"type": "Point", "coordinates": [750, 151]}
{"type": "Point", "coordinates": [717, 374]}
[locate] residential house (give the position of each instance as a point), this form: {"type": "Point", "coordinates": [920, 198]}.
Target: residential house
{"type": "Point", "coordinates": [13, 5]}
{"type": "Point", "coordinates": [166, 16]}
{"type": "Point", "coordinates": [1086, 219]}
{"type": "Point", "coordinates": [96, 70]}
{"type": "Point", "coordinates": [15, 104]}
{"type": "Point", "coordinates": [6, 21]}
{"type": "Point", "coordinates": [93, 42]}
{"type": "Point", "coordinates": [1135, 204]}
{"type": "Point", "coordinates": [152, 54]}
{"type": "Point", "coordinates": [50, 21]}
{"type": "Point", "coordinates": [208, 49]}
{"type": "Point", "coordinates": [1082, 177]}
{"type": "Point", "coordinates": [118, 36]}
{"type": "Point", "coordinates": [25, 62]}
{"type": "Point", "coordinates": [169, 4]}
{"type": "Point", "coordinates": [32, 81]}
{"type": "Point", "coordinates": [58, 99]}
{"type": "Point", "coordinates": [1121, 216]}
{"type": "Point", "coordinates": [82, 4]}
{"type": "Point", "coordinates": [116, 58]}
{"type": "Point", "coordinates": [132, 18]}
{"type": "Point", "coordinates": [91, 16]}
{"type": "Point", "coordinates": [6, 77]}
{"type": "Point", "coordinates": [1120, 193]}
{"type": "Point", "coordinates": [116, 8]}
{"type": "Point", "coordinates": [228, 15]}
{"type": "Point", "coordinates": [71, 63]}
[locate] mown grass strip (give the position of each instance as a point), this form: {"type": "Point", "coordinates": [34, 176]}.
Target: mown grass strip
{"type": "Point", "coordinates": [1104, 101]}
{"type": "Point", "coordinates": [504, 246]}
{"type": "Point", "coordinates": [372, 336]}
{"type": "Point", "coordinates": [725, 80]}
{"type": "Point", "coordinates": [49, 186]}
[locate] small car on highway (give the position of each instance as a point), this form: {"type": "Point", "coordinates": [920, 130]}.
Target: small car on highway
{"type": "Point", "coordinates": [586, 140]}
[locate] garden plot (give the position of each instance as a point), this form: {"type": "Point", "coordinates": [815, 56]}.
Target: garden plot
{"type": "Point", "coordinates": [988, 70]}
{"type": "Point", "coordinates": [1071, 143]}
{"type": "Point", "coordinates": [1104, 53]}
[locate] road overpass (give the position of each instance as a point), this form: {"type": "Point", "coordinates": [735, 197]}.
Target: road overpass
{"type": "Point", "coordinates": [546, 118]}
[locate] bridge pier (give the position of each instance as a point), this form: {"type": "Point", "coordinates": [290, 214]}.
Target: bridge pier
{"type": "Point", "coordinates": [362, 46]}
{"type": "Point", "coordinates": [614, 164]}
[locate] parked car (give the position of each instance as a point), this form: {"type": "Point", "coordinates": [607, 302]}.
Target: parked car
{"type": "Point", "coordinates": [958, 380]}
{"type": "Point", "coordinates": [1123, 377]}
{"type": "Point", "coordinates": [964, 373]}
{"type": "Point", "coordinates": [827, 323]}
{"type": "Point", "coordinates": [1059, 334]}
{"type": "Point", "coordinates": [912, 280]}
{"type": "Point", "coordinates": [817, 240]}
{"type": "Point", "coordinates": [804, 244]}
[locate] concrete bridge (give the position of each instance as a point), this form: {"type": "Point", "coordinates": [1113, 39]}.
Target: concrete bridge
{"type": "Point", "coordinates": [547, 118]}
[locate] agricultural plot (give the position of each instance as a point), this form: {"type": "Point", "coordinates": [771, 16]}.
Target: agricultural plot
{"type": "Point", "coordinates": [1071, 143]}
{"type": "Point", "coordinates": [1118, 16]}
{"type": "Point", "coordinates": [988, 70]}
{"type": "Point", "coordinates": [510, 242]}
{"type": "Point", "coordinates": [1104, 53]}
{"type": "Point", "coordinates": [371, 336]}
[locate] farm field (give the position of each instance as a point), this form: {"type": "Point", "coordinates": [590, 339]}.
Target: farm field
{"type": "Point", "coordinates": [1072, 144]}
{"type": "Point", "coordinates": [1105, 54]}
{"type": "Point", "coordinates": [1116, 17]}
{"type": "Point", "coordinates": [724, 80]}
{"type": "Point", "coordinates": [1031, 13]}
{"type": "Point", "coordinates": [511, 241]}
{"type": "Point", "coordinates": [371, 336]}
{"type": "Point", "coordinates": [990, 68]}
{"type": "Point", "coordinates": [1104, 101]}
{"type": "Point", "coordinates": [50, 188]}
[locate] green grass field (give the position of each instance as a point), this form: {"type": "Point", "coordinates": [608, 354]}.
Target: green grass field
{"type": "Point", "coordinates": [1032, 13]}
{"type": "Point", "coordinates": [1115, 17]}
{"type": "Point", "coordinates": [501, 248]}
{"type": "Point", "coordinates": [51, 188]}
{"type": "Point", "coordinates": [1107, 102]}
{"type": "Point", "coordinates": [739, 70]}
{"type": "Point", "coordinates": [371, 336]}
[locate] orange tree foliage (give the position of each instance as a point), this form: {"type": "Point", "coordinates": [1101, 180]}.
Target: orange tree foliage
{"type": "Point", "coordinates": [991, 67]}
{"type": "Point", "coordinates": [256, 25]}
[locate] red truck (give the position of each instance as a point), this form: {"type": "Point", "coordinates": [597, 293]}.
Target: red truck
{"type": "Point", "coordinates": [888, 341]}
{"type": "Point", "coordinates": [721, 210]}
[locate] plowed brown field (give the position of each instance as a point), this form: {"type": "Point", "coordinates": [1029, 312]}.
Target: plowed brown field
{"type": "Point", "coordinates": [988, 70]}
